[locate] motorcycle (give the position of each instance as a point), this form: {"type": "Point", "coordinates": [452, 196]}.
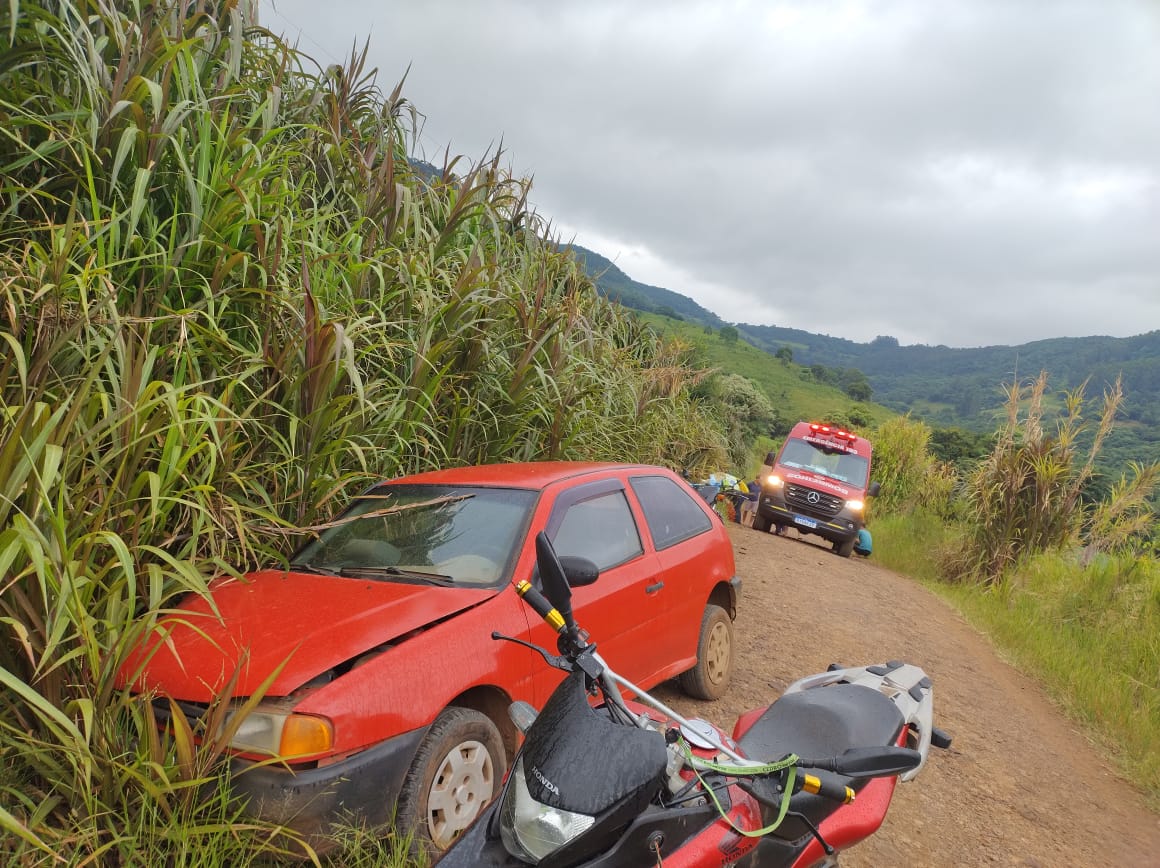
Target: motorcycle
{"type": "Point", "coordinates": [631, 782]}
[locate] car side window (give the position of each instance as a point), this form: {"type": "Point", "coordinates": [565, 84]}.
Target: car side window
{"type": "Point", "coordinates": [671, 512]}
{"type": "Point", "coordinates": [600, 529]}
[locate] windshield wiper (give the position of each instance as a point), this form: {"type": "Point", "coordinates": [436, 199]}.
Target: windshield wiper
{"type": "Point", "coordinates": [394, 572]}
{"type": "Point", "coordinates": [310, 568]}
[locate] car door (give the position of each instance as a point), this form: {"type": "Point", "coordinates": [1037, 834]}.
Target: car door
{"type": "Point", "coordinates": [621, 609]}
{"type": "Point", "coordinates": [681, 534]}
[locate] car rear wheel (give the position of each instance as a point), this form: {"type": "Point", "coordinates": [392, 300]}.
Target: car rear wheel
{"type": "Point", "coordinates": [457, 771]}
{"type": "Point", "coordinates": [709, 679]}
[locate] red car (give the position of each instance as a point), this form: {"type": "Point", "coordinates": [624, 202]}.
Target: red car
{"type": "Point", "coordinates": [385, 685]}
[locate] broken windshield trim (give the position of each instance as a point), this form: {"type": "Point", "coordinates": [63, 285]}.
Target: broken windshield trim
{"type": "Point", "coordinates": [390, 510]}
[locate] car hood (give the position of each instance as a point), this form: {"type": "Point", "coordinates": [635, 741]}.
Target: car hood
{"type": "Point", "coordinates": [304, 623]}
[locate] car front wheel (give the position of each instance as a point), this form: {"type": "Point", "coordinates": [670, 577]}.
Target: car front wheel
{"type": "Point", "coordinates": [457, 771]}
{"type": "Point", "coordinates": [709, 679]}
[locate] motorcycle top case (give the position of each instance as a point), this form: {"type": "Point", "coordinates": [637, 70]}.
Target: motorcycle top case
{"type": "Point", "coordinates": [577, 759]}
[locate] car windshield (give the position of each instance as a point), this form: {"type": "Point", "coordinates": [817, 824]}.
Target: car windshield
{"type": "Point", "coordinates": [437, 534]}
{"type": "Point", "coordinates": [834, 463]}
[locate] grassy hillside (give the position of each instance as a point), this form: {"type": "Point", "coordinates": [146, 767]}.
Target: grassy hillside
{"type": "Point", "coordinates": [791, 388]}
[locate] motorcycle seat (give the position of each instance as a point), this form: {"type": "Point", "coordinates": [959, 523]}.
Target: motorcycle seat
{"type": "Point", "coordinates": [817, 724]}
{"type": "Point", "coordinates": [823, 722]}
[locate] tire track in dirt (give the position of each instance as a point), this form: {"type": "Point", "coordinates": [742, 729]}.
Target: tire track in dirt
{"type": "Point", "coordinates": [1020, 785]}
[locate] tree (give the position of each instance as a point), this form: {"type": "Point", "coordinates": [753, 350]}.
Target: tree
{"type": "Point", "coordinates": [747, 413]}
{"type": "Point", "coordinates": [729, 334]}
{"type": "Point", "coordinates": [859, 416]}
{"type": "Point", "coordinates": [959, 447]}
{"type": "Point", "coordinates": [785, 354]}
{"type": "Point", "coordinates": [854, 383]}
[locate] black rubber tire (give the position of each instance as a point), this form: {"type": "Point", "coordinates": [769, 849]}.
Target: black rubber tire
{"type": "Point", "coordinates": [845, 549]}
{"type": "Point", "coordinates": [709, 679]}
{"type": "Point", "coordinates": [762, 522]}
{"type": "Point", "coordinates": [460, 764]}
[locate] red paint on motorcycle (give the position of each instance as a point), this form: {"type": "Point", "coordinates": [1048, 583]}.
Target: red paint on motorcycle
{"type": "Point", "coordinates": [852, 823]}
{"type": "Point", "coordinates": [746, 721]}
{"type": "Point", "coordinates": [719, 844]}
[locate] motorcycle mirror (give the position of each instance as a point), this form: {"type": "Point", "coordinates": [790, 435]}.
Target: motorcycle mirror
{"type": "Point", "coordinates": [579, 571]}
{"type": "Point", "coordinates": [876, 762]}
{"type": "Point", "coordinates": [553, 577]}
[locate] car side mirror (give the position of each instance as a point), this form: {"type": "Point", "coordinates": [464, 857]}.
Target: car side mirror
{"type": "Point", "coordinates": [771, 458]}
{"type": "Point", "coordinates": [873, 490]}
{"type": "Point", "coordinates": [579, 571]}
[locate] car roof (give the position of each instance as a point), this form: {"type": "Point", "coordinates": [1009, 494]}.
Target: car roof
{"type": "Point", "coordinates": [535, 475]}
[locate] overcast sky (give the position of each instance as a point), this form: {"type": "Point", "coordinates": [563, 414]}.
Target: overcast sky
{"type": "Point", "coordinates": [963, 173]}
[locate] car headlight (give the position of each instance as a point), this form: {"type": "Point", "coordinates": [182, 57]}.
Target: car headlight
{"type": "Point", "coordinates": [855, 505]}
{"type": "Point", "coordinates": [282, 734]}
{"type": "Point", "coordinates": [774, 481]}
{"type": "Point", "coordinates": [531, 830]}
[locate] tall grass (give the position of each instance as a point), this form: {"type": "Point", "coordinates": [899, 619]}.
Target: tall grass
{"type": "Point", "coordinates": [1087, 629]}
{"type": "Point", "coordinates": [910, 478]}
{"type": "Point", "coordinates": [227, 300]}
{"type": "Point", "coordinates": [1024, 497]}
{"type": "Point", "coordinates": [1070, 591]}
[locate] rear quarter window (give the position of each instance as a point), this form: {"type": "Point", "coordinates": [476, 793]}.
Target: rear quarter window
{"type": "Point", "coordinates": [672, 512]}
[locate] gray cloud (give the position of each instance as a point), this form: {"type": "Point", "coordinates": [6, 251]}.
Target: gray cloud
{"type": "Point", "coordinates": [947, 172]}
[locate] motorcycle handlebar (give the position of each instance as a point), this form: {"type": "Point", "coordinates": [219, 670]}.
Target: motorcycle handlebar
{"type": "Point", "coordinates": [540, 604]}
{"type": "Point", "coordinates": [827, 789]}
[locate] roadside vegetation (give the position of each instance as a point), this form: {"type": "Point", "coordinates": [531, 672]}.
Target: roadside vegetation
{"type": "Point", "coordinates": [1068, 588]}
{"type": "Point", "coordinates": [228, 300]}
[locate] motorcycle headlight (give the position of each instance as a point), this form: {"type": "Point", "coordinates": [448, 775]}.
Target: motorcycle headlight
{"type": "Point", "coordinates": [531, 830]}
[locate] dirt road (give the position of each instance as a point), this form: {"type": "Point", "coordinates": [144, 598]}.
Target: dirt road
{"type": "Point", "coordinates": [1019, 786]}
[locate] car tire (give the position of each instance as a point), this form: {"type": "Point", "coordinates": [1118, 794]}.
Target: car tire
{"type": "Point", "coordinates": [709, 679]}
{"type": "Point", "coordinates": [845, 548]}
{"type": "Point", "coordinates": [762, 522]}
{"type": "Point", "coordinates": [458, 769]}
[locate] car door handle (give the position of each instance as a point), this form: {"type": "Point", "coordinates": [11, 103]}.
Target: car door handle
{"type": "Point", "coordinates": [652, 589]}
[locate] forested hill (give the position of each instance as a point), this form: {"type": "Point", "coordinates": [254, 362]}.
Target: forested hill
{"type": "Point", "coordinates": [965, 381]}
{"type": "Point", "coordinates": [618, 286]}
{"type": "Point", "coordinates": [943, 385]}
